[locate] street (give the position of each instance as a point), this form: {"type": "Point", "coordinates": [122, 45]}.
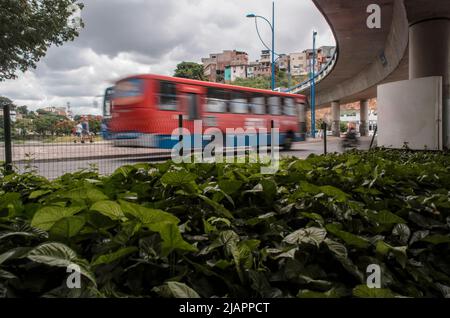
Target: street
{"type": "Point", "coordinates": [114, 158]}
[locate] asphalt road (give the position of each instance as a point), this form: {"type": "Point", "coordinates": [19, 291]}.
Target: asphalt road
{"type": "Point", "coordinates": [55, 169]}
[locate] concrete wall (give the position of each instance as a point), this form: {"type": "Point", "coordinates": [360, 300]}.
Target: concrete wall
{"type": "Point", "coordinates": [411, 112]}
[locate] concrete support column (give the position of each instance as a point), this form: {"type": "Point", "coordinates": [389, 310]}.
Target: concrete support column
{"type": "Point", "coordinates": [364, 118]}
{"type": "Point", "coordinates": [336, 116]}
{"type": "Point", "coordinates": [302, 121]}
{"type": "Point", "coordinates": [429, 55]}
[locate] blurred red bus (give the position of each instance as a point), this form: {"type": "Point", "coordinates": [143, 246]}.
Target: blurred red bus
{"type": "Point", "coordinates": [146, 109]}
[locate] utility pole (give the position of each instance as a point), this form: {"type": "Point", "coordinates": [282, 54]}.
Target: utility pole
{"type": "Point", "coordinates": [313, 89]}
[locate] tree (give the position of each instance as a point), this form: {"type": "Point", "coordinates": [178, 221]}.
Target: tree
{"type": "Point", "coordinates": [95, 125]}
{"type": "Point", "coordinates": [4, 100]}
{"type": "Point", "coordinates": [23, 126]}
{"type": "Point", "coordinates": [22, 110]}
{"type": "Point", "coordinates": [49, 123]}
{"type": "Point", "coordinates": [30, 27]}
{"type": "Point", "coordinates": [190, 70]}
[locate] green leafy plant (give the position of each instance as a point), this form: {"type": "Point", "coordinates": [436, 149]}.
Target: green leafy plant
{"type": "Point", "coordinates": [225, 230]}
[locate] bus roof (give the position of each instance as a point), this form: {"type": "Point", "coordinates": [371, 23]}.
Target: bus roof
{"type": "Point", "coordinates": [212, 84]}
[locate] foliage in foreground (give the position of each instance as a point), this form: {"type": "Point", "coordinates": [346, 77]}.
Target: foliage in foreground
{"type": "Point", "coordinates": [225, 230]}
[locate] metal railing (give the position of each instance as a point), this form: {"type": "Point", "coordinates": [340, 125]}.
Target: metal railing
{"type": "Point", "coordinates": [320, 76]}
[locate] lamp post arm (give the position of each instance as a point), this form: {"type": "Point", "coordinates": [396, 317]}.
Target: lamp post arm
{"type": "Point", "coordinates": [262, 41]}
{"type": "Point", "coordinates": [270, 24]}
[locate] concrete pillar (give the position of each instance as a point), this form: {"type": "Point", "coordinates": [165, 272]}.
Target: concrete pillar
{"type": "Point", "coordinates": [429, 55]}
{"type": "Point", "coordinates": [302, 121]}
{"type": "Point", "coordinates": [364, 118]}
{"type": "Point", "coordinates": [336, 117]}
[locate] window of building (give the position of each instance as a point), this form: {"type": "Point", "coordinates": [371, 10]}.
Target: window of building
{"type": "Point", "coordinates": [168, 96]}
{"type": "Point", "coordinates": [274, 105]}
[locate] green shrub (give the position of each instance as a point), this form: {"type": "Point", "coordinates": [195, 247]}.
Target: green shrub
{"type": "Point", "coordinates": [167, 230]}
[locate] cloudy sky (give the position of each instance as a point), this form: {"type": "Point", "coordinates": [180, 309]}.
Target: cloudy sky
{"type": "Point", "coordinates": [123, 37]}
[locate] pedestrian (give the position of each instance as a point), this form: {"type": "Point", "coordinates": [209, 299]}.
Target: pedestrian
{"type": "Point", "coordinates": [78, 132]}
{"type": "Point", "coordinates": [104, 130]}
{"type": "Point", "coordinates": [85, 131]}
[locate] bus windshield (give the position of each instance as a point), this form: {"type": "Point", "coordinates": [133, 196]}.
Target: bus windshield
{"type": "Point", "coordinates": [129, 91]}
{"type": "Point", "coordinates": [107, 102]}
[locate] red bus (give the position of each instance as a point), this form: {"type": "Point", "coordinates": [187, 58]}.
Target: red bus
{"type": "Point", "coordinates": [146, 110]}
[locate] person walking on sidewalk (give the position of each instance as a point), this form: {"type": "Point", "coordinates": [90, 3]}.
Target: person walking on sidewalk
{"type": "Point", "coordinates": [78, 132]}
{"type": "Point", "coordinates": [86, 135]}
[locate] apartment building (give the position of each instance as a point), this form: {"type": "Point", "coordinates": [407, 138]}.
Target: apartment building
{"type": "Point", "coordinates": [299, 64]}
{"type": "Point", "coordinates": [283, 62]}
{"type": "Point", "coordinates": [215, 64]}
{"type": "Point", "coordinates": [251, 69]}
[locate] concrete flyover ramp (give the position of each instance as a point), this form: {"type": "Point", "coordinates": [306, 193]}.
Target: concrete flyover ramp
{"type": "Point", "coordinates": [368, 57]}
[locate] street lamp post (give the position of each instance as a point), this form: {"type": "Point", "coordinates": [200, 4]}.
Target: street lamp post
{"type": "Point", "coordinates": [272, 27]}
{"type": "Point", "coordinates": [313, 89]}
{"type": "Point", "coordinates": [273, 45]}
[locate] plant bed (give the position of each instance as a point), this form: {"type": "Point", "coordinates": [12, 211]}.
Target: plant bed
{"type": "Point", "coordinates": [224, 230]}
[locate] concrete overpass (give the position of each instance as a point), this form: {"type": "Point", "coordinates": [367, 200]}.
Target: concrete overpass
{"type": "Point", "coordinates": [413, 42]}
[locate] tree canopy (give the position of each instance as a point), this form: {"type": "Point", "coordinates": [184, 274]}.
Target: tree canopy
{"type": "Point", "coordinates": [190, 70]}
{"type": "Point", "coordinates": [30, 27]}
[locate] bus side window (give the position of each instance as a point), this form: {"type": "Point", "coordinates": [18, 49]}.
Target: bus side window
{"type": "Point", "coordinates": [289, 107]}
{"type": "Point", "coordinates": [274, 105]}
{"type": "Point", "coordinates": [239, 103]}
{"type": "Point", "coordinates": [216, 101]}
{"type": "Point", "coordinates": [168, 96]}
{"type": "Point", "coordinates": [258, 104]}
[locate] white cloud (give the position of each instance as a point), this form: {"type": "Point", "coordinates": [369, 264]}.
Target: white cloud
{"type": "Point", "coordinates": [142, 36]}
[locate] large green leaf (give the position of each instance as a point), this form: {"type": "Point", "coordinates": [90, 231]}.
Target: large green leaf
{"type": "Point", "coordinates": [385, 217]}
{"type": "Point", "coordinates": [403, 232]}
{"type": "Point", "coordinates": [14, 253]}
{"type": "Point", "coordinates": [85, 193]}
{"type": "Point", "coordinates": [337, 248]}
{"type": "Point", "coordinates": [269, 189]}
{"type": "Point", "coordinates": [59, 255]}
{"type": "Point", "coordinates": [362, 291]}
{"type": "Point", "coordinates": [46, 217]}
{"type": "Point", "coordinates": [146, 215]}
{"type": "Point", "coordinates": [230, 186]}
{"type": "Point", "coordinates": [332, 293]}
{"type": "Point", "coordinates": [219, 208]}
{"type": "Point", "coordinates": [437, 239]}
{"type": "Point", "coordinates": [172, 239]}
{"type": "Point", "coordinates": [39, 193]}
{"type": "Point", "coordinates": [68, 227]}
{"type": "Point", "coordinates": [312, 235]}
{"type": "Point", "coordinates": [5, 275]}
{"type": "Point", "coordinates": [180, 290]}
{"type": "Point", "coordinates": [177, 178]}
{"type": "Point", "coordinates": [110, 209]}
{"type": "Point", "coordinates": [111, 257]}
{"type": "Point", "coordinates": [4, 235]}
{"type": "Point", "coordinates": [334, 192]}
{"type": "Point", "coordinates": [399, 252]}
{"type": "Point", "coordinates": [347, 237]}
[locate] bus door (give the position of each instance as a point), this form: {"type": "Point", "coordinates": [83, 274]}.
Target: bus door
{"type": "Point", "coordinates": [191, 101]}
{"type": "Point", "coordinates": [191, 104]}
